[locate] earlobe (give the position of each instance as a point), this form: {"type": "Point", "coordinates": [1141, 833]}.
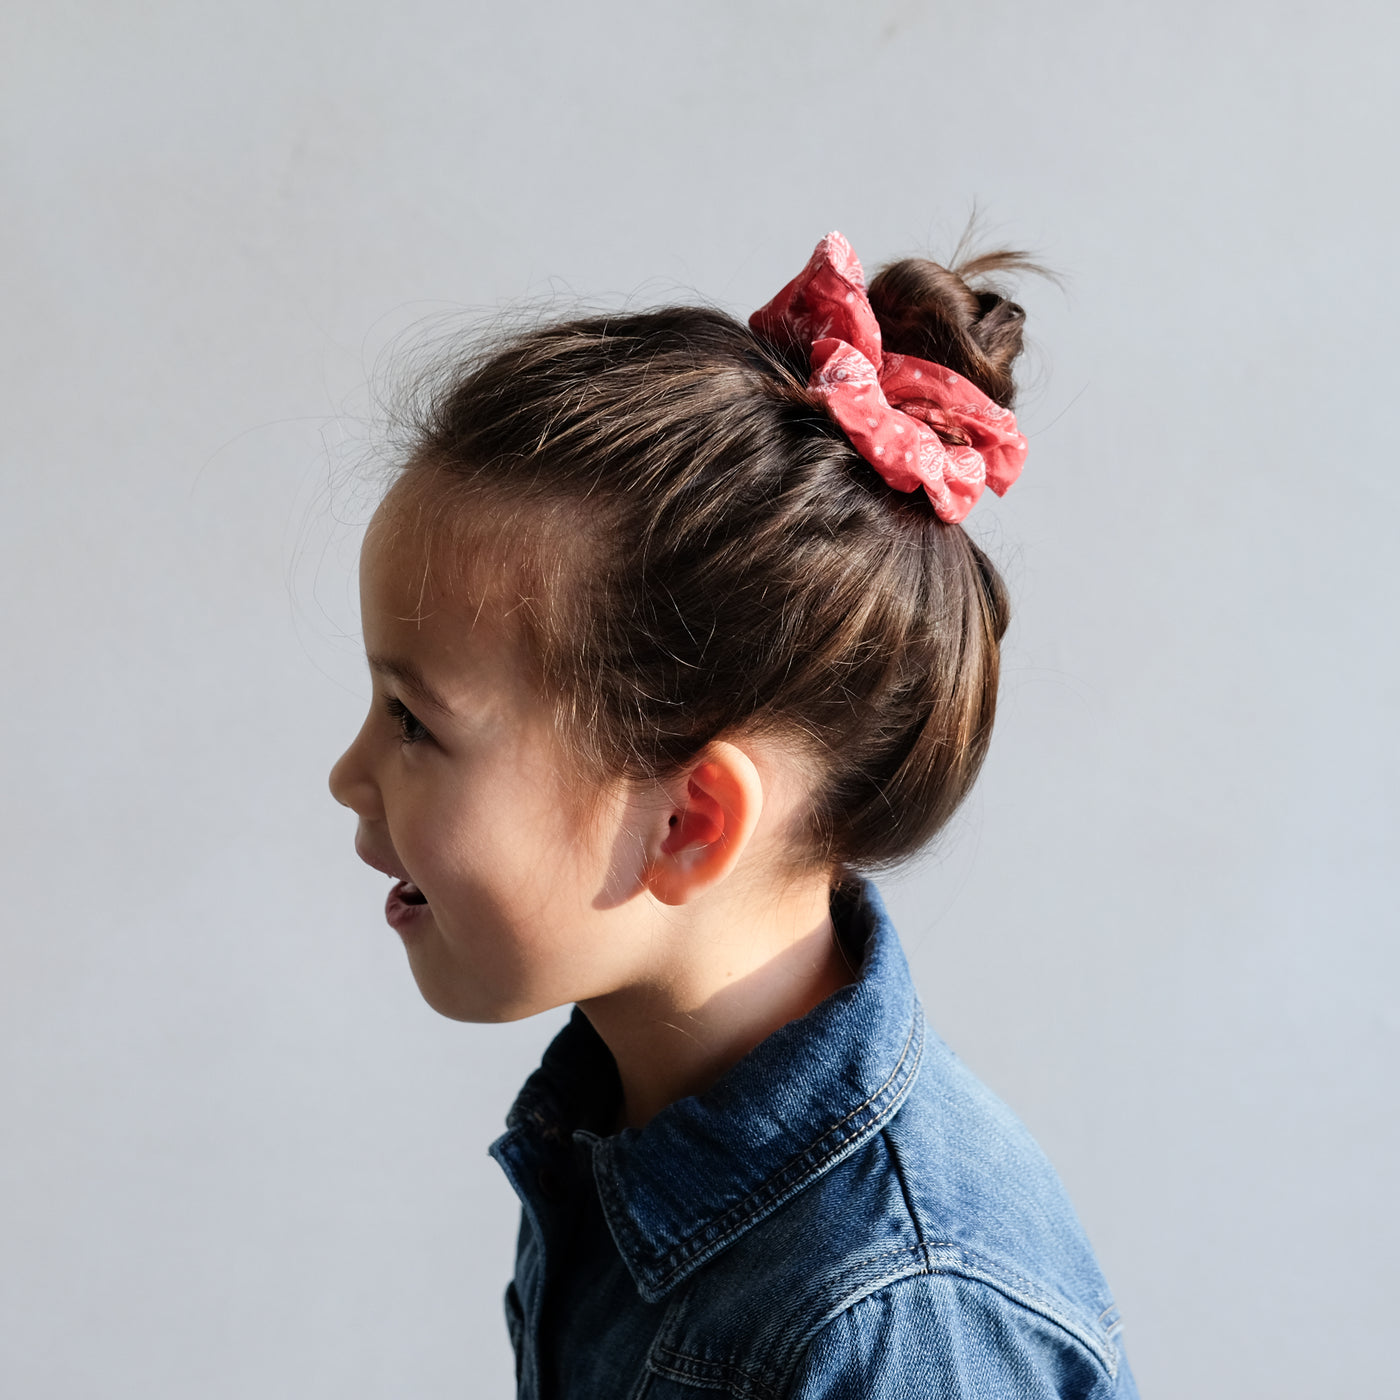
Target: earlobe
{"type": "Point", "coordinates": [708, 827]}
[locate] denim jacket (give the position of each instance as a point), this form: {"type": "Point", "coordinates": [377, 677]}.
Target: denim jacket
{"type": "Point", "coordinates": [846, 1213]}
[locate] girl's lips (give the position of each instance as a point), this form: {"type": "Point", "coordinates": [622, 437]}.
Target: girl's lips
{"type": "Point", "coordinates": [405, 907]}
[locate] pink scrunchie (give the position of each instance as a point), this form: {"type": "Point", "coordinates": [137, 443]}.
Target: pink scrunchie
{"type": "Point", "coordinates": [889, 405]}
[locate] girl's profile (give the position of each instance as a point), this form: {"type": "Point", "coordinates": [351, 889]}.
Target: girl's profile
{"type": "Point", "coordinates": [677, 640]}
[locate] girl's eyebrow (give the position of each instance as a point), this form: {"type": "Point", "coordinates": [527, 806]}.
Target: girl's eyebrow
{"type": "Point", "coordinates": [411, 678]}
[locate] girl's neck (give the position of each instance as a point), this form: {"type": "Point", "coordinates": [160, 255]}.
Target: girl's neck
{"type": "Point", "coordinates": [733, 971]}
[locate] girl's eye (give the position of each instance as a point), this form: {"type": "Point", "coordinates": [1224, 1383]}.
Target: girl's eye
{"type": "Point", "coordinates": [410, 730]}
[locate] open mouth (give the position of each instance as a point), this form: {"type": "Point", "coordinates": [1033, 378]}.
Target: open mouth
{"type": "Point", "coordinates": [405, 907]}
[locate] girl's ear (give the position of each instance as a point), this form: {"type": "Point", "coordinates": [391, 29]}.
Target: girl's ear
{"type": "Point", "coordinates": [709, 824]}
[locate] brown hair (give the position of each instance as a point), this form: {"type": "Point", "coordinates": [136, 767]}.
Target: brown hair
{"type": "Point", "coordinates": [709, 556]}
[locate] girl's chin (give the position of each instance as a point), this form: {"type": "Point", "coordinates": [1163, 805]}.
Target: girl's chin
{"type": "Point", "coordinates": [458, 1000]}
{"type": "Point", "coordinates": [450, 1003]}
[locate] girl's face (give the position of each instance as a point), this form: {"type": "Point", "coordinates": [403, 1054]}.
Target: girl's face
{"type": "Point", "coordinates": [520, 899]}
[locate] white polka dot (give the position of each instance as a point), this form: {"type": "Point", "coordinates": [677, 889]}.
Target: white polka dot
{"type": "Point", "coordinates": [850, 296]}
{"type": "Point", "coordinates": [918, 374]}
{"type": "Point", "coordinates": [870, 422]}
{"type": "Point", "coordinates": [899, 427]}
{"type": "Point", "coordinates": [908, 456]}
{"type": "Point", "coordinates": [879, 451]}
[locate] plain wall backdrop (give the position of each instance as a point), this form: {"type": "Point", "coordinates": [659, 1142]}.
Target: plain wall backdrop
{"type": "Point", "coordinates": [241, 1158]}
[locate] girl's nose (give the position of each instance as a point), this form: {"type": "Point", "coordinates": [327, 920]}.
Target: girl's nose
{"type": "Point", "coordinates": [350, 782]}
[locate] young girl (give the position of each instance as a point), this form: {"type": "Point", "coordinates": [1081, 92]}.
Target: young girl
{"type": "Point", "coordinates": [674, 633]}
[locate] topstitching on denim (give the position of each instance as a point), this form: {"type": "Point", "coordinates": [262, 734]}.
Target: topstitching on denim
{"type": "Point", "coordinates": [802, 1168]}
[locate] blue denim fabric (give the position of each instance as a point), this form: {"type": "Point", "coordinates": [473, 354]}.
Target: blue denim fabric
{"type": "Point", "coordinates": [846, 1213]}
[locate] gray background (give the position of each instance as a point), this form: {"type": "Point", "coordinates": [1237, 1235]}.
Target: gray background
{"type": "Point", "coordinates": [241, 1157]}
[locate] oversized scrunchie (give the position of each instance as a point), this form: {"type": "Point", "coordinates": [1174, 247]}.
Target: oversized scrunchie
{"type": "Point", "coordinates": [890, 405]}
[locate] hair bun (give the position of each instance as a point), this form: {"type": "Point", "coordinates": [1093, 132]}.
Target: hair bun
{"type": "Point", "coordinates": [942, 314]}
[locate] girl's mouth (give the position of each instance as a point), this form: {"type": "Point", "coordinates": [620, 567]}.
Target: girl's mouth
{"type": "Point", "coordinates": [406, 906]}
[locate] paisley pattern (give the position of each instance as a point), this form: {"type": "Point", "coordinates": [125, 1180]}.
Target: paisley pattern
{"type": "Point", "coordinates": [891, 407]}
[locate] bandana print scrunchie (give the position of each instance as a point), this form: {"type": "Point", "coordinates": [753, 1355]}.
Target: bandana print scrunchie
{"type": "Point", "coordinates": [889, 405]}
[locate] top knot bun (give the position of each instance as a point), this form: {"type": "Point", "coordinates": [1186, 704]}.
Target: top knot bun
{"type": "Point", "coordinates": [940, 314]}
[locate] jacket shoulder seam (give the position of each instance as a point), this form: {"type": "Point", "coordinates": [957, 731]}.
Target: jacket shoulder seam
{"type": "Point", "coordinates": [928, 1260]}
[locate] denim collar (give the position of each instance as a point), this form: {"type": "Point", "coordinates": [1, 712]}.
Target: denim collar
{"type": "Point", "coordinates": [707, 1168]}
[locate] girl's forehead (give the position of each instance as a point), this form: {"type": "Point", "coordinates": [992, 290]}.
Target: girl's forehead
{"type": "Point", "coordinates": [428, 604]}
{"type": "Point", "coordinates": [416, 569]}
{"type": "Point", "coordinates": [400, 572]}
